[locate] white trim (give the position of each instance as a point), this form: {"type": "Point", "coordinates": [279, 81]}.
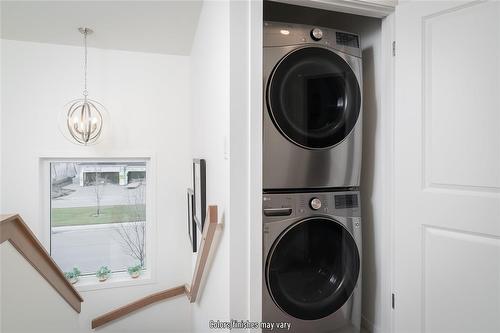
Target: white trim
{"type": "Point", "coordinates": [87, 282]}
{"type": "Point", "coordinates": [116, 280]}
{"type": "Point", "coordinates": [380, 8]}
{"type": "Point", "coordinates": [44, 195]}
{"type": "Point", "coordinates": [91, 226]}
{"type": "Point", "coordinates": [388, 80]}
{"type": "Point", "coordinates": [255, 159]}
{"type": "Point", "coordinates": [92, 156]}
{"type": "Point", "coordinates": [1, 158]}
{"type": "Point", "coordinates": [372, 9]}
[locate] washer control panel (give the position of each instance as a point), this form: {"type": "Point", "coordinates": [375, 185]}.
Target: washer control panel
{"type": "Point", "coordinates": [285, 205]}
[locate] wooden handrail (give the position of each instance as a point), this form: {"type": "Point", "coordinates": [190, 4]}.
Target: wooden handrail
{"type": "Point", "coordinates": [201, 260]}
{"type": "Point", "coordinates": [191, 292]}
{"type": "Point", "coordinates": [15, 230]}
{"type": "Point", "coordinates": [136, 305]}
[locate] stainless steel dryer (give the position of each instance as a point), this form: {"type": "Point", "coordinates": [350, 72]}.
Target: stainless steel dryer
{"type": "Point", "coordinates": [312, 261]}
{"type": "Point", "coordinates": [312, 107]}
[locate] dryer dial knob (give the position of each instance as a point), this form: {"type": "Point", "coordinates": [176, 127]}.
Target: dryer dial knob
{"type": "Point", "coordinates": [316, 34]}
{"type": "Point", "coordinates": [315, 203]}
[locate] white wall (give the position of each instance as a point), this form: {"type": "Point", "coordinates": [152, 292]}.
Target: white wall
{"type": "Point", "coordinates": [246, 161]}
{"type": "Point", "coordinates": [239, 169]}
{"type": "Point", "coordinates": [18, 275]}
{"type": "Point", "coordinates": [147, 96]}
{"type": "Point", "coordinates": [229, 53]}
{"type": "Point", "coordinates": [210, 131]}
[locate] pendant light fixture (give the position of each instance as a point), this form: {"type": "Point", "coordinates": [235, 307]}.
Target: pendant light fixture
{"type": "Point", "coordinates": [83, 119]}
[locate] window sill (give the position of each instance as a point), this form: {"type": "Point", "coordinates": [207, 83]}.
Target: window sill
{"type": "Point", "coordinates": [116, 280]}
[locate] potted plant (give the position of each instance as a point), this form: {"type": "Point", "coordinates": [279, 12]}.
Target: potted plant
{"type": "Point", "coordinates": [73, 275]}
{"type": "Point", "coordinates": [134, 271]}
{"type": "Point", "coordinates": [103, 273]}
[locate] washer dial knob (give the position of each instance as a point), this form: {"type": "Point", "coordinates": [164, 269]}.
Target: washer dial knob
{"type": "Point", "coordinates": [316, 34]}
{"type": "Point", "coordinates": [315, 203]}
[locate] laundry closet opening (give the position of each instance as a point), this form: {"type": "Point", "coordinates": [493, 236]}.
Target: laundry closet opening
{"type": "Point", "coordinates": [375, 125]}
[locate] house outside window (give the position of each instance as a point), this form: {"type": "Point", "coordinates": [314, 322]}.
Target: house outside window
{"type": "Point", "coordinates": [98, 214]}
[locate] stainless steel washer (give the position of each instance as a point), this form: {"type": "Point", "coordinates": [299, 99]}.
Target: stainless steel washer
{"type": "Point", "coordinates": [312, 261]}
{"type": "Point", "coordinates": [312, 107]}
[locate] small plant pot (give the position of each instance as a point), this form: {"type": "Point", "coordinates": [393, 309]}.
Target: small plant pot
{"type": "Point", "coordinates": [103, 278]}
{"type": "Point", "coordinates": [73, 280]}
{"type": "Point", "coordinates": [135, 275]}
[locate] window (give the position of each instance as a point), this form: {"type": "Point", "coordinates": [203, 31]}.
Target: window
{"type": "Point", "coordinates": [98, 214]}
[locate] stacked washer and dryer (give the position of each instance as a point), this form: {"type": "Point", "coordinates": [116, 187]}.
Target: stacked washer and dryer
{"type": "Point", "coordinates": [311, 173]}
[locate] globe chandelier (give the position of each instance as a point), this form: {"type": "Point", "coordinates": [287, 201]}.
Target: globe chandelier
{"type": "Point", "coordinates": [84, 117]}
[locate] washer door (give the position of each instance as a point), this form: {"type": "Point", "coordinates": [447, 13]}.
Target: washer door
{"type": "Point", "coordinates": [312, 268]}
{"type": "Point", "coordinates": [314, 98]}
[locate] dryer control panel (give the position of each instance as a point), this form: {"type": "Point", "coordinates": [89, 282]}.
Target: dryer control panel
{"type": "Point", "coordinates": [286, 34]}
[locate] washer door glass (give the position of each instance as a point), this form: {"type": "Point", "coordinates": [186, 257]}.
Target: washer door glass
{"type": "Point", "coordinates": [314, 97]}
{"type": "Point", "coordinates": [313, 268]}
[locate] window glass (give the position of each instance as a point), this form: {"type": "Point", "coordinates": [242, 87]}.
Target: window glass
{"type": "Point", "coordinates": [98, 215]}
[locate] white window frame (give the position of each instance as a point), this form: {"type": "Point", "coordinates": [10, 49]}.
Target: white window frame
{"type": "Point", "coordinates": [118, 279]}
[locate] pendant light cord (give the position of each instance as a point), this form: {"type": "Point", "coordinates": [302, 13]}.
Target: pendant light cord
{"type": "Point", "coordinates": [85, 92]}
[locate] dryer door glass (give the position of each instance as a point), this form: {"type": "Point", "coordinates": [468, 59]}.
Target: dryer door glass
{"type": "Point", "coordinates": [313, 268]}
{"type": "Point", "coordinates": [314, 97]}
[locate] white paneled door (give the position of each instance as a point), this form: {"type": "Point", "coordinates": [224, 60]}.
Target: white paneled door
{"type": "Point", "coordinates": [447, 162]}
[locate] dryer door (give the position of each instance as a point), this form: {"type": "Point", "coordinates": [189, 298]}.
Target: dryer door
{"type": "Point", "coordinates": [312, 268]}
{"type": "Point", "coordinates": [314, 97]}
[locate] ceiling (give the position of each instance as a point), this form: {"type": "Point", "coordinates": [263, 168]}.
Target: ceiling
{"type": "Point", "coordinates": [166, 27]}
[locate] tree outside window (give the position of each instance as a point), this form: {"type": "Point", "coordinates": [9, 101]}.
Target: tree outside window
{"type": "Point", "coordinates": [98, 214]}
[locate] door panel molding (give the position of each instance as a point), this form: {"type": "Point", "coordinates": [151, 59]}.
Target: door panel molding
{"type": "Point", "coordinates": [470, 175]}
{"type": "Point", "coordinates": [470, 249]}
